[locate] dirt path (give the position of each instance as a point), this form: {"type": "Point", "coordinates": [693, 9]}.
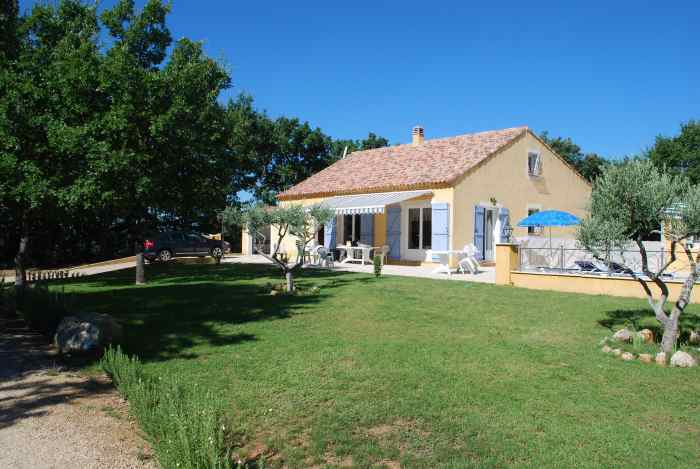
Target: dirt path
{"type": "Point", "coordinates": [53, 418]}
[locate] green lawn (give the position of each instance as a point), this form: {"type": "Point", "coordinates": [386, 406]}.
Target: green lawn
{"type": "Point", "coordinates": [412, 371]}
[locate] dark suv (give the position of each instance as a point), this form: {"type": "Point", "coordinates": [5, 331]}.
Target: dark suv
{"type": "Point", "coordinates": [165, 246]}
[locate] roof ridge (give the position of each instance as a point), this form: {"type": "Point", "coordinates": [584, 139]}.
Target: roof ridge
{"type": "Point", "coordinates": [441, 139]}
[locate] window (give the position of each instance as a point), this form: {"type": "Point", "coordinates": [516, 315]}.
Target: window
{"type": "Point", "coordinates": [320, 235]}
{"type": "Point", "coordinates": [534, 164]}
{"type": "Point", "coordinates": [420, 228]}
{"type": "Point", "coordinates": [532, 229]}
{"type": "Point", "coordinates": [351, 228]}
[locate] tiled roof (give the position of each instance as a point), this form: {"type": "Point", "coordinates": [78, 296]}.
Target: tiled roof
{"type": "Point", "coordinates": [433, 163]}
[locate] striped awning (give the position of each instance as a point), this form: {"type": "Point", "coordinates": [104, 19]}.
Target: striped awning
{"type": "Point", "coordinates": [369, 203]}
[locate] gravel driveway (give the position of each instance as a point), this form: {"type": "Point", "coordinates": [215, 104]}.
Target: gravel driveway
{"type": "Point", "coordinates": [52, 418]}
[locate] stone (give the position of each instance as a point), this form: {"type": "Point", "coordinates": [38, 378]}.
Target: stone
{"type": "Point", "coordinates": [623, 335]}
{"type": "Point", "coordinates": [274, 292]}
{"type": "Point", "coordinates": [645, 358]}
{"type": "Point", "coordinates": [683, 360]}
{"type": "Point", "coordinates": [627, 356]}
{"type": "Point", "coordinates": [694, 338]}
{"type": "Point", "coordinates": [660, 359]}
{"type": "Point", "coordinates": [617, 352]}
{"type": "Point", "coordinates": [606, 349]}
{"type": "Point", "coordinates": [87, 333]}
{"type": "Point", "coordinates": [647, 335]}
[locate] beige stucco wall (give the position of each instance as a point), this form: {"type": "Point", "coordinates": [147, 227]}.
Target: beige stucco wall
{"type": "Point", "coordinates": [505, 178]}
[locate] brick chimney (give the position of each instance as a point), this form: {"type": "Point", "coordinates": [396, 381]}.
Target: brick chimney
{"type": "Point", "coordinates": [418, 136]}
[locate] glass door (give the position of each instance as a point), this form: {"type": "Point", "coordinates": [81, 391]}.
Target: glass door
{"type": "Point", "coordinates": [489, 226]}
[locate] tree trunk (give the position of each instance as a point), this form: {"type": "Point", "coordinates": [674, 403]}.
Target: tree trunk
{"type": "Point", "coordinates": [290, 281]}
{"type": "Point", "coordinates": [140, 267]}
{"type": "Point", "coordinates": [20, 261]}
{"type": "Point", "coordinates": [670, 336]}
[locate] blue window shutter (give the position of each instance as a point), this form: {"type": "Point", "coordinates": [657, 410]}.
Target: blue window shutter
{"type": "Point", "coordinates": [367, 228]}
{"type": "Point", "coordinates": [504, 219]}
{"type": "Point", "coordinates": [440, 228]}
{"type": "Point", "coordinates": [479, 214]}
{"type": "Point", "coordinates": [393, 232]}
{"type": "Point", "coordinates": [329, 234]}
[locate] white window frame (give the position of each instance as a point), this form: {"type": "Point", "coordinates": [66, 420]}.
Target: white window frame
{"type": "Point", "coordinates": [537, 170]}
{"type": "Point", "coordinates": [419, 254]}
{"type": "Point", "coordinates": [354, 227]}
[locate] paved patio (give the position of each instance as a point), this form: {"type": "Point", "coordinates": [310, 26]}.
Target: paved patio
{"type": "Point", "coordinates": [488, 274]}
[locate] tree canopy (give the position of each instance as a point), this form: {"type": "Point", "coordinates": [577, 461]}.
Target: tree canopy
{"type": "Point", "coordinates": [589, 164]}
{"type": "Point", "coordinates": [679, 154]}
{"type": "Point", "coordinates": [103, 140]}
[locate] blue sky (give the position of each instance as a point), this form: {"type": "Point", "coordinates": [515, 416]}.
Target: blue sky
{"type": "Point", "coordinates": [611, 75]}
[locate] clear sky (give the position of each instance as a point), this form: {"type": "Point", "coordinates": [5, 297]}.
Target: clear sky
{"type": "Point", "coordinates": [611, 75]}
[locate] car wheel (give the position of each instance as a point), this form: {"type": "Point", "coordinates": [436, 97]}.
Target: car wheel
{"type": "Point", "coordinates": [217, 252]}
{"type": "Point", "coordinates": [165, 255]}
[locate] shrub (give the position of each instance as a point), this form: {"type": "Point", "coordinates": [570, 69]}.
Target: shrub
{"type": "Point", "coordinates": [43, 308]}
{"type": "Point", "coordinates": [377, 266]}
{"type": "Point", "coordinates": [184, 422]}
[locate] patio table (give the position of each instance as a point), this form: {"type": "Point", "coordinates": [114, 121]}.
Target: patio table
{"type": "Point", "coordinates": [444, 260]}
{"type": "Point", "coordinates": [364, 250]}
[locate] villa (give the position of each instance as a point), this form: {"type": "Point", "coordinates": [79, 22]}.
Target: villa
{"type": "Point", "coordinates": [441, 194]}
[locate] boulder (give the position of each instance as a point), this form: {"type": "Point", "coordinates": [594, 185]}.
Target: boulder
{"type": "Point", "coordinates": [645, 358]}
{"type": "Point", "coordinates": [627, 356]}
{"type": "Point", "coordinates": [660, 359]}
{"type": "Point", "coordinates": [694, 338]}
{"type": "Point", "coordinates": [623, 335]}
{"type": "Point", "coordinates": [87, 333]}
{"type": "Point", "coordinates": [683, 360]}
{"type": "Point", "coordinates": [646, 335]}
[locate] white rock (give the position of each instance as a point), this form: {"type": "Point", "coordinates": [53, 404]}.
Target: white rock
{"type": "Point", "coordinates": [683, 360]}
{"type": "Point", "coordinates": [627, 356]}
{"type": "Point", "coordinates": [87, 333]}
{"type": "Point", "coordinates": [606, 349]}
{"type": "Point", "coordinates": [623, 335]}
{"type": "Point", "coordinates": [660, 359]}
{"type": "Point", "coordinates": [694, 337]}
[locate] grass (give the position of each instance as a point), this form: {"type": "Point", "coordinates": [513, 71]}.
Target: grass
{"type": "Point", "coordinates": [407, 371]}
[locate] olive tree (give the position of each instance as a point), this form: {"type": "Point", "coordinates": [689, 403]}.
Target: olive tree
{"type": "Point", "coordinates": [291, 220]}
{"type": "Point", "coordinates": [630, 202]}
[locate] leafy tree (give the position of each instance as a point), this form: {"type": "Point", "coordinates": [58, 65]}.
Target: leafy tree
{"type": "Point", "coordinates": [48, 90]}
{"type": "Point", "coordinates": [589, 165]}
{"type": "Point", "coordinates": [372, 141]}
{"type": "Point", "coordinates": [629, 202]}
{"type": "Point", "coordinates": [292, 220]}
{"type": "Point", "coordinates": [679, 154]}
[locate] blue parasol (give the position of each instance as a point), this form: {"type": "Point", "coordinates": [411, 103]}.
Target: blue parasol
{"type": "Point", "coordinates": [550, 218]}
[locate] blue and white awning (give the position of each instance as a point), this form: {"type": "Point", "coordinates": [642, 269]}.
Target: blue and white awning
{"type": "Point", "coordinates": [369, 203]}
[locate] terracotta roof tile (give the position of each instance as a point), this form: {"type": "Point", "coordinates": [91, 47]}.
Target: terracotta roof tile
{"type": "Point", "coordinates": [433, 163]}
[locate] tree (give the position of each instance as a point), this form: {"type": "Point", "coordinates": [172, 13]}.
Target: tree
{"type": "Point", "coordinates": [48, 91]}
{"type": "Point", "coordinates": [629, 202]}
{"type": "Point", "coordinates": [292, 220]}
{"type": "Point", "coordinates": [589, 165]}
{"type": "Point", "coordinates": [165, 131]}
{"type": "Point", "coordinates": [679, 154]}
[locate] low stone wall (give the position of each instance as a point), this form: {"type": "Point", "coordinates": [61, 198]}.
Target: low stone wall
{"type": "Point", "coordinates": [507, 274]}
{"type": "Point", "coordinates": [592, 284]}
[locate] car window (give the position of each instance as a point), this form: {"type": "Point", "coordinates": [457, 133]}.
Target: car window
{"type": "Point", "coordinates": [195, 237]}
{"type": "Point", "coordinates": [176, 237]}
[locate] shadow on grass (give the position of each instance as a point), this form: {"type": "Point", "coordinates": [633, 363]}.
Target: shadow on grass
{"type": "Point", "coordinates": [185, 306]}
{"type": "Point", "coordinates": [644, 318]}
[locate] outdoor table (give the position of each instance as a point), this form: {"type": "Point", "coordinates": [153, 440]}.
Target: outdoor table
{"type": "Point", "coordinates": [444, 260]}
{"type": "Point", "coordinates": [364, 250]}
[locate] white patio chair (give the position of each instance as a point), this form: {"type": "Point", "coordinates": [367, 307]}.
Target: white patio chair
{"type": "Point", "coordinates": [468, 262]}
{"type": "Point", "coordinates": [325, 257]}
